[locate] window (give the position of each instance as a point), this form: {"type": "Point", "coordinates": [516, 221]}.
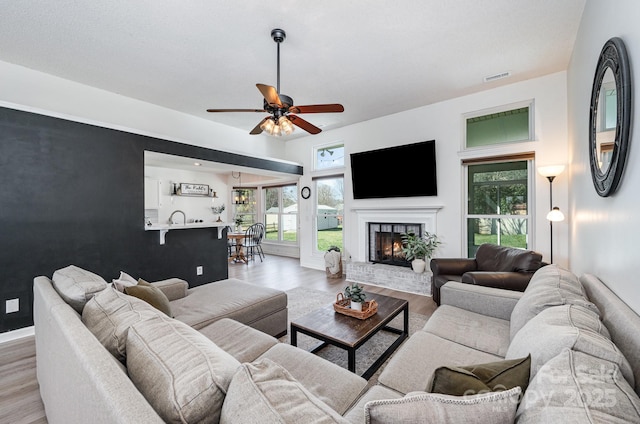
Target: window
{"type": "Point", "coordinates": [498, 203]}
{"type": "Point", "coordinates": [281, 213]}
{"type": "Point", "coordinates": [330, 156]}
{"type": "Point", "coordinates": [329, 212]}
{"type": "Point", "coordinates": [500, 125]}
{"type": "Point", "coordinates": [245, 212]}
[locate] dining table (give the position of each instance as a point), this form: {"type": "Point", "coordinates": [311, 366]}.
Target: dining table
{"type": "Point", "coordinates": [237, 255]}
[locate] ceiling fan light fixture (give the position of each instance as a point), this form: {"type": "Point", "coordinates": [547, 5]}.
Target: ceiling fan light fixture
{"type": "Point", "coordinates": [267, 126]}
{"type": "Point", "coordinates": [286, 127]}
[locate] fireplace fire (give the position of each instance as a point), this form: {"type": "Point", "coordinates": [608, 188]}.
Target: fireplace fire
{"type": "Point", "coordinates": [385, 244]}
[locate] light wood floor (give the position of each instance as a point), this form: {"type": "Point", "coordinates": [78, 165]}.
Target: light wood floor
{"type": "Point", "coordinates": [20, 401]}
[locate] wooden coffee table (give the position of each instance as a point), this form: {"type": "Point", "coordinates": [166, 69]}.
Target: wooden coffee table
{"type": "Point", "coordinates": [349, 333]}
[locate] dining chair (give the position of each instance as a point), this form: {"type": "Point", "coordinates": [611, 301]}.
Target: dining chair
{"type": "Point", "coordinates": [253, 240]}
{"type": "Point", "coordinates": [230, 243]}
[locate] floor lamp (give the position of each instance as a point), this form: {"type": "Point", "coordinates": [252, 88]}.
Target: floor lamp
{"type": "Point", "coordinates": [554, 215]}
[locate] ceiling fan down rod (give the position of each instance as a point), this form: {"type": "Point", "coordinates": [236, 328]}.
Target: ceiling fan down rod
{"type": "Point", "coordinates": [278, 36]}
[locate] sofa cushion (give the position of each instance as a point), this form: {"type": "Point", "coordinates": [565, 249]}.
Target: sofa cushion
{"type": "Point", "coordinates": [76, 285]}
{"type": "Point", "coordinates": [560, 327]}
{"type": "Point", "coordinates": [150, 294]}
{"type": "Point", "coordinates": [549, 286]}
{"type": "Point", "coordinates": [491, 257]}
{"type": "Point", "coordinates": [123, 281]}
{"type": "Point", "coordinates": [493, 407]}
{"type": "Point", "coordinates": [242, 342]}
{"type": "Point", "coordinates": [355, 414]}
{"type": "Point", "coordinates": [481, 378]}
{"type": "Point", "coordinates": [109, 314]}
{"type": "Point", "coordinates": [440, 352]}
{"type": "Point", "coordinates": [180, 372]}
{"type": "Point", "coordinates": [332, 384]}
{"type": "Point", "coordinates": [578, 388]}
{"type": "Point", "coordinates": [477, 331]}
{"type": "Point", "coordinates": [264, 392]}
{"type": "Point", "coordinates": [232, 298]}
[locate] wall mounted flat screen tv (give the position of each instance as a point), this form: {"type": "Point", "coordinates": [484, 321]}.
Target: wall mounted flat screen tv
{"type": "Point", "coordinates": [400, 171]}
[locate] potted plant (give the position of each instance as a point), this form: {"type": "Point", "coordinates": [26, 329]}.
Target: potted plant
{"type": "Point", "coordinates": [238, 220]}
{"type": "Point", "coordinates": [218, 210]}
{"type": "Point", "coordinates": [356, 294]}
{"type": "Point", "coordinates": [419, 249]}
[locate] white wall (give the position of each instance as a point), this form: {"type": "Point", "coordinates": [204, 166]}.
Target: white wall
{"type": "Point", "coordinates": [194, 207]}
{"type": "Point", "coordinates": [444, 123]}
{"type": "Point", "coordinates": [25, 89]}
{"type": "Point", "coordinates": [604, 230]}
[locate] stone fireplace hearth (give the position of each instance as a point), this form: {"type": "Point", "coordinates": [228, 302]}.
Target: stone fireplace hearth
{"type": "Point", "coordinates": [362, 269]}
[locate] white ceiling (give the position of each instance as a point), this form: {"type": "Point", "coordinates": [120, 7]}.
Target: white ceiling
{"type": "Point", "coordinates": [376, 57]}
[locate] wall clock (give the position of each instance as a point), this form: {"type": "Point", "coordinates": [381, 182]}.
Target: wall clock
{"type": "Point", "coordinates": [305, 192]}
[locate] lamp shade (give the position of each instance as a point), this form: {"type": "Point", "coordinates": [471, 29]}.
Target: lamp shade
{"type": "Point", "coordinates": [555, 215]}
{"type": "Point", "coordinates": [551, 170]}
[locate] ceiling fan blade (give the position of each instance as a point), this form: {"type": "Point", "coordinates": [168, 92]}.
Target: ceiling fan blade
{"type": "Point", "coordinates": [328, 108]}
{"type": "Point", "coordinates": [307, 126]}
{"type": "Point", "coordinates": [257, 130]}
{"type": "Point", "coordinates": [270, 94]}
{"type": "Point", "coordinates": [236, 110]}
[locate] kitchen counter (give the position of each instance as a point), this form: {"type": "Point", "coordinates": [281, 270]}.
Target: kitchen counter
{"type": "Point", "coordinates": [165, 228]}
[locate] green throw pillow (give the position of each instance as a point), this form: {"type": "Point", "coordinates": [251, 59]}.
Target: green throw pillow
{"type": "Point", "coordinates": [481, 378]}
{"type": "Point", "coordinates": [150, 294]}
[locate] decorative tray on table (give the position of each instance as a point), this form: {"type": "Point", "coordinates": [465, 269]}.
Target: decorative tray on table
{"type": "Point", "coordinates": [342, 306]}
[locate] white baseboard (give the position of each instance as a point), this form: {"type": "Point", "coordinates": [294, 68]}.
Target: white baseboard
{"type": "Point", "coordinates": [17, 334]}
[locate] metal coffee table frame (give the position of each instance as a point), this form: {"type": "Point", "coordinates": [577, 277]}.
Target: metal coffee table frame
{"type": "Point", "coordinates": [348, 333]}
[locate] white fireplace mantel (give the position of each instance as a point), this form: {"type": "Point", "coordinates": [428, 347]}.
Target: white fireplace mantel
{"type": "Point", "coordinates": [425, 215]}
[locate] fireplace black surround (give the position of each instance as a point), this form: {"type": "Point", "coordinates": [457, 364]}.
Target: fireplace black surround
{"type": "Point", "coordinates": [385, 244]}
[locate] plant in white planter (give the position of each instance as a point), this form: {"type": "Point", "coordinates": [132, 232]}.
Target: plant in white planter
{"type": "Point", "coordinates": [356, 294]}
{"type": "Point", "coordinates": [217, 210]}
{"type": "Point", "coordinates": [419, 249]}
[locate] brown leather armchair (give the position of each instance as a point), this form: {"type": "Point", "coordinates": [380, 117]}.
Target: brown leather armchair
{"type": "Point", "coordinates": [494, 266]}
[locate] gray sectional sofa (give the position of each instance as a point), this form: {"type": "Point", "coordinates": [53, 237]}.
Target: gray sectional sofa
{"type": "Point", "coordinates": [583, 343]}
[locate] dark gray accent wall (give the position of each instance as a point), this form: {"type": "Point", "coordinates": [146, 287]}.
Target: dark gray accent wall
{"type": "Point", "coordinates": [72, 193]}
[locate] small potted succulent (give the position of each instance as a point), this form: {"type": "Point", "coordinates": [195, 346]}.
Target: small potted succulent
{"type": "Point", "coordinates": [356, 294]}
{"type": "Point", "coordinates": [419, 249]}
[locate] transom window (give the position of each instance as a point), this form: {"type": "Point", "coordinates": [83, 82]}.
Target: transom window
{"type": "Point", "coordinates": [329, 156]}
{"type": "Point", "coordinates": [512, 123]}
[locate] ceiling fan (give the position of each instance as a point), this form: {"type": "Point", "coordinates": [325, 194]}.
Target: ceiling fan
{"type": "Point", "coordinates": [283, 113]}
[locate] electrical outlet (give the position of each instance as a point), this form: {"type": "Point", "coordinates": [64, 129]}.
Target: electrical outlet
{"type": "Point", "coordinates": [12, 305]}
{"type": "Point", "coordinates": [199, 270]}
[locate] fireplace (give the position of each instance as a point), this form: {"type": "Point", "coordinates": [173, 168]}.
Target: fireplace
{"type": "Point", "coordinates": [385, 244]}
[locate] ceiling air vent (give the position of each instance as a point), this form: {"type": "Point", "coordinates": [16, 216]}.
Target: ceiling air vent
{"type": "Point", "coordinates": [497, 76]}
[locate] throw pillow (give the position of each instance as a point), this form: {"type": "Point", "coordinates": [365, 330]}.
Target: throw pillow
{"type": "Point", "coordinates": [560, 327]}
{"type": "Point", "coordinates": [109, 314]}
{"type": "Point", "coordinates": [265, 392]}
{"type": "Point", "coordinates": [125, 280]}
{"type": "Point", "coordinates": [549, 286]}
{"type": "Point", "coordinates": [481, 378]}
{"type": "Point", "coordinates": [574, 387]}
{"type": "Point", "coordinates": [181, 373]}
{"type": "Point", "coordinates": [495, 408]}
{"type": "Point", "coordinates": [76, 285]}
{"type": "Point", "coordinates": [150, 294]}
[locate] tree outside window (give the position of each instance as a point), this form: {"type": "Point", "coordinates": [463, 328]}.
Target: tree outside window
{"type": "Point", "coordinates": [497, 210]}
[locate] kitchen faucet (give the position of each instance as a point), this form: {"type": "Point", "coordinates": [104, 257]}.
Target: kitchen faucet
{"type": "Point", "coordinates": [184, 217]}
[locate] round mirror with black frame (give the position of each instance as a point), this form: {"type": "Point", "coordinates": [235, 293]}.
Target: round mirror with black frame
{"type": "Point", "coordinates": [610, 117]}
